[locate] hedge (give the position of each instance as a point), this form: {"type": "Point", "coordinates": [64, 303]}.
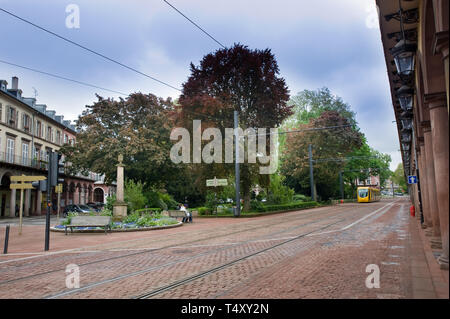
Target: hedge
{"type": "Point", "coordinates": [270, 208]}
{"type": "Point", "coordinates": [146, 210]}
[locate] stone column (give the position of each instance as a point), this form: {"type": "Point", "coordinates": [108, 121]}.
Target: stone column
{"type": "Point", "coordinates": [432, 199]}
{"type": "Point", "coordinates": [439, 124]}
{"type": "Point", "coordinates": [26, 211]}
{"type": "Point", "coordinates": [424, 188]}
{"type": "Point", "coordinates": [38, 202]}
{"type": "Point", "coordinates": [120, 207]}
{"type": "Point", "coordinates": [76, 196]}
{"type": "Point", "coordinates": [12, 204]}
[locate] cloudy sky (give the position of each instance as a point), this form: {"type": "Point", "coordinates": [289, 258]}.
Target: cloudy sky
{"type": "Point", "coordinates": [318, 43]}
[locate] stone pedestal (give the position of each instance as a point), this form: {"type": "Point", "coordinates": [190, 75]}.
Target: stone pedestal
{"type": "Point", "coordinates": [120, 207]}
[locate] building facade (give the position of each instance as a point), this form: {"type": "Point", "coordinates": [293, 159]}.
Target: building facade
{"type": "Point", "coordinates": [415, 41]}
{"type": "Point", "coordinates": [27, 132]}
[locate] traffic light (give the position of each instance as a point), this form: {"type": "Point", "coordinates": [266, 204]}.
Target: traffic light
{"type": "Point", "coordinates": [56, 169]}
{"type": "Point", "coordinates": [40, 185]}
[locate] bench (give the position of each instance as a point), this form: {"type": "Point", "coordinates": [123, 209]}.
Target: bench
{"type": "Point", "coordinates": [176, 213]}
{"type": "Point", "coordinates": [90, 221]}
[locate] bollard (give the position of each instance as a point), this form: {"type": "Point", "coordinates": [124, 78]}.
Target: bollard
{"type": "Point", "coordinates": [5, 249]}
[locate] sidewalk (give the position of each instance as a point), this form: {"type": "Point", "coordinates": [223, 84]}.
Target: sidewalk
{"type": "Point", "coordinates": [428, 280]}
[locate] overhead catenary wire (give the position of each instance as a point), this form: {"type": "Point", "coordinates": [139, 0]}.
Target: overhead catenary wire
{"type": "Point", "coordinates": [195, 24]}
{"type": "Point", "coordinates": [88, 49]}
{"type": "Point", "coordinates": [62, 77]}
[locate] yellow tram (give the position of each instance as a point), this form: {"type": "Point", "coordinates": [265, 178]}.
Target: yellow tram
{"type": "Point", "coordinates": [368, 194]}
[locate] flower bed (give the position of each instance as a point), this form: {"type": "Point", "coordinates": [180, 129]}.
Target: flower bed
{"type": "Point", "coordinates": [133, 222]}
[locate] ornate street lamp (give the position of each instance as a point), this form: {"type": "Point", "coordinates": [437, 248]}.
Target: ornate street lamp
{"type": "Point", "coordinates": [406, 138]}
{"type": "Point", "coordinates": [405, 97]}
{"type": "Point", "coordinates": [405, 146]}
{"type": "Point", "coordinates": [404, 53]}
{"type": "Point", "coordinates": [406, 124]}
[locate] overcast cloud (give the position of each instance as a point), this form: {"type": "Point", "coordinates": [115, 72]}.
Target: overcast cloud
{"type": "Point", "coordinates": [317, 43]}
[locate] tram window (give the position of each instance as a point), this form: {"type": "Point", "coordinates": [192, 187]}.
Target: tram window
{"type": "Point", "coordinates": [363, 193]}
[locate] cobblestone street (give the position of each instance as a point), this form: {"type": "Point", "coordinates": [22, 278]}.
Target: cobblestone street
{"type": "Point", "coordinates": [314, 253]}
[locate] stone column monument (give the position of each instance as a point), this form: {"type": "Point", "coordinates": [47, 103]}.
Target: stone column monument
{"type": "Point", "coordinates": [120, 207]}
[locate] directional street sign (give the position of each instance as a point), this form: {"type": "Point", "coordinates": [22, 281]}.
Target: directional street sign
{"type": "Point", "coordinates": [216, 182]}
{"type": "Point", "coordinates": [412, 179]}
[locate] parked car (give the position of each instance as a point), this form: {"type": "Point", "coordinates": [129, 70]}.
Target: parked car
{"type": "Point", "coordinates": [78, 209]}
{"type": "Point", "coordinates": [98, 206]}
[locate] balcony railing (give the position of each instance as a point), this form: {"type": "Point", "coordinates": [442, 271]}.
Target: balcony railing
{"type": "Point", "coordinates": [15, 159]}
{"type": "Point", "coordinates": [10, 158]}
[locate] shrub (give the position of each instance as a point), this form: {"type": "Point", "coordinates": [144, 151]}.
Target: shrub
{"type": "Point", "coordinates": [204, 211]}
{"type": "Point", "coordinates": [301, 198]}
{"type": "Point", "coordinates": [279, 193]}
{"type": "Point", "coordinates": [134, 196]}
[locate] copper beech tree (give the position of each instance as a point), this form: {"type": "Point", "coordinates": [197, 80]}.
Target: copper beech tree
{"type": "Point", "coordinates": [241, 79]}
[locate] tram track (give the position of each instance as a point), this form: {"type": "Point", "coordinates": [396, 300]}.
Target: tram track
{"type": "Point", "coordinates": [144, 251]}
{"type": "Point", "coordinates": [153, 268]}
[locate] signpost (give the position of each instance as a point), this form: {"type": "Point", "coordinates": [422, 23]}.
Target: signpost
{"type": "Point", "coordinates": [22, 185]}
{"type": "Point", "coordinates": [412, 179]}
{"type": "Point", "coordinates": [214, 183]}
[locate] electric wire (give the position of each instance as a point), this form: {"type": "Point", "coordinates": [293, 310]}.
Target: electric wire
{"type": "Point", "coordinates": [88, 49]}
{"type": "Point", "coordinates": [200, 28]}
{"type": "Point", "coordinates": [62, 77]}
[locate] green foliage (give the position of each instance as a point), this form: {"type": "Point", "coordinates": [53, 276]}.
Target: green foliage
{"type": "Point", "coordinates": [301, 198]}
{"type": "Point", "coordinates": [279, 193]}
{"type": "Point", "coordinates": [133, 195]}
{"type": "Point", "coordinates": [289, 206]}
{"type": "Point", "coordinates": [398, 177]}
{"type": "Point", "coordinates": [110, 200]}
{"type": "Point", "coordinates": [204, 211]}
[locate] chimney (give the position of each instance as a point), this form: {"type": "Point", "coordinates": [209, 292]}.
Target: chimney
{"type": "Point", "coordinates": [15, 83]}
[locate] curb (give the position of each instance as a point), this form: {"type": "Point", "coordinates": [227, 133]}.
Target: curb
{"type": "Point", "coordinates": [59, 230]}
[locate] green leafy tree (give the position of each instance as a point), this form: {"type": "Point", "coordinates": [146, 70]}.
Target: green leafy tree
{"type": "Point", "coordinates": [138, 127]}
{"type": "Point", "coordinates": [329, 147]}
{"type": "Point", "coordinates": [398, 177]}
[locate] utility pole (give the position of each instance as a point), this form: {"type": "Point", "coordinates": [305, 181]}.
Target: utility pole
{"type": "Point", "coordinates": [237, 212]}
{"type": "Point", "coordinates": [311, 173]}
{"type": "Point", "coordinates": [49, 201]}
{"type": "Point", "coordinates": [341, 184]}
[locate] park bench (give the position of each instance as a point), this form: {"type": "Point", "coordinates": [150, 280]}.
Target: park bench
{"type": "Point", "coordinates": [176, 213]}
{"type": "Point", "coordinates": [90, 221]}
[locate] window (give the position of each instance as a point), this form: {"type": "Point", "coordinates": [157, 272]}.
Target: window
{"type": "Point", "coordinates": [10, 150]}
{"type": "Point", "coordinates": [25, 147]}
{"type": "Point", "coordinates": [38, 129]}
{"type": "Point", "coordinates": [26, 120]}
{"type": "Point", "coordinates": [48, 137]}
{"type": "Point", "coordinates": [11, 116]}
{"type": "Point", "coordinates": [65, 138]}
{"type": "Point", "coordinates": [363, 193]}
{"type": "Point", "coordinates": [58, 137]}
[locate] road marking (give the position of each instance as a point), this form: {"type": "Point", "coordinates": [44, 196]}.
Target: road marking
{"type": "Point", "coordinates": [386, 207]}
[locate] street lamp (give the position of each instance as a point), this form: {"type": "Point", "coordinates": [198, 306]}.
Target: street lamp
{"type": "Point", "coordinates": [406, 138]}
{"type": "Point", "coordinates": [404, 53]}
{"type": "Point", "coordinates": [405, 97]}
{"type": "Point", "coordinates": [406, 124]}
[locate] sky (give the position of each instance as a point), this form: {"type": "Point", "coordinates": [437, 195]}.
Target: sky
{"type": "Point", "coordinates": [321, 43]}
